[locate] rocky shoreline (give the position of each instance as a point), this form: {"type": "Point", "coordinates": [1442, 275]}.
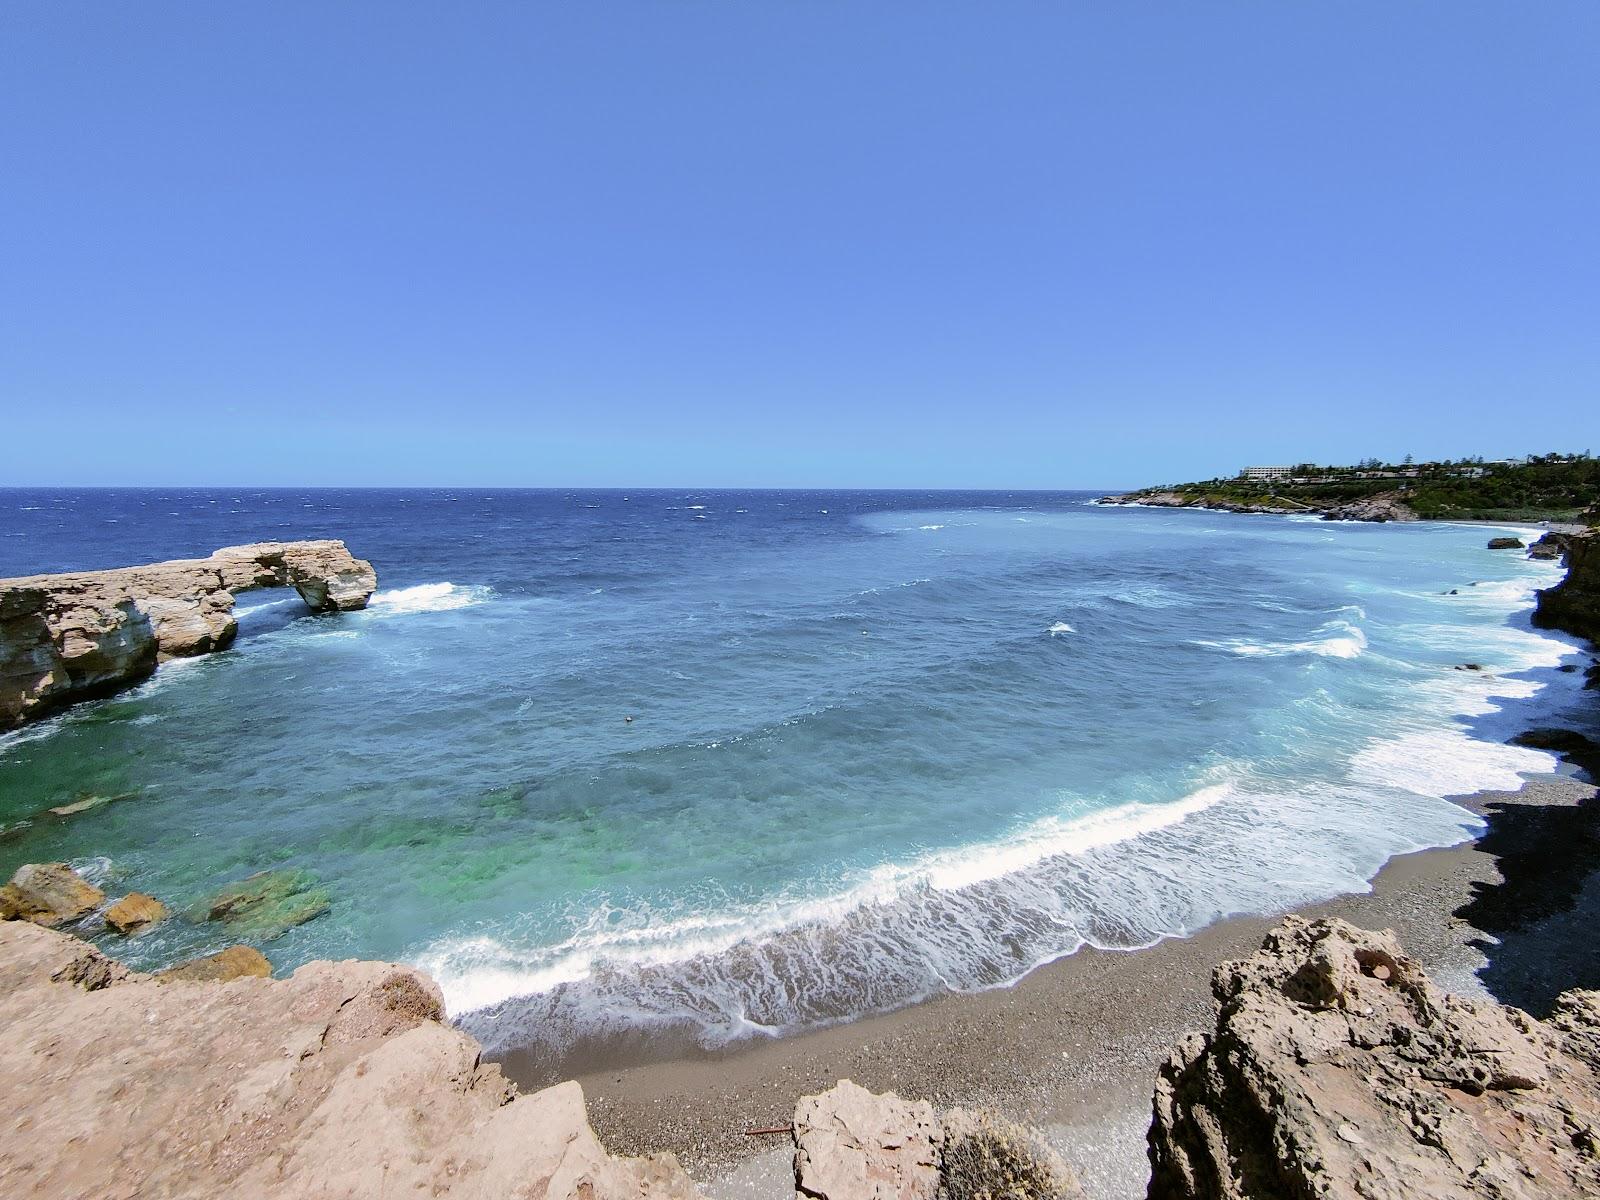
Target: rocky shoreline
{"type": "Point", "coordinates": [1332, 1064]}
{"type": "Point", "coordinates": [78, 636]}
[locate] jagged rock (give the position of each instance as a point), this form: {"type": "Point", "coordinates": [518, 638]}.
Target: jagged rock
{"type": "Point", "coordinates": [1338, 1070]}
{"type": "Point", "coordinates": [48, 894]}
{"type": "Point", "coordinates": [340, 1081]}
{"type": "Point", "coordinates": [1573, 605]}
{"type": "Point", "coordinates": [1506, 543]}
{"type": "Point", "coordinates": [1550, 545]}
{"type": "Point", "coordinates": [268, 903]}
{"type": "Point", "coordinates": [1386, 506]}
{"type": "Point", "coordinates": [851, 1144]}
{"type": "Point", "coordinates": [236, 962]}
{"type": "Point", "coordinates": [71, 637]}
{"type": "Point", "coordinates": [135, 912]}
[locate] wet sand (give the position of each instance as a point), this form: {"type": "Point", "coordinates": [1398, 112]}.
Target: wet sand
{"type": "Point", "coordinates": [1074, 1046]}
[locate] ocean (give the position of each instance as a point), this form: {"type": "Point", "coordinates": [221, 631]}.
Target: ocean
{"type": "Point", "coordinates": [882, 744]}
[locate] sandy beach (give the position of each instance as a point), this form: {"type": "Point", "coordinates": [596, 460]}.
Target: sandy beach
{"type": "Point", "coordinates": [1074, 1046]}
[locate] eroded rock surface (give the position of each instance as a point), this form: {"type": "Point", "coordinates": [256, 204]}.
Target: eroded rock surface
{"type": "Point", "coordinates": [340, 1081]}
{"type": "Point", "coordinates": [72, 637]}
{"type": "Point", "coordinates": [1573, 605]}
{"type": "Point", "coordinates": [852, 1144]}
{"type": "Point", "coordinates": [1337, 1069]}
{"type": "Point", "coordinates": [48, 894]}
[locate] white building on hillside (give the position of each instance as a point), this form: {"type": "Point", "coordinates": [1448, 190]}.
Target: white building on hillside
{"type": "Point", "coordinates": [1266, 473]}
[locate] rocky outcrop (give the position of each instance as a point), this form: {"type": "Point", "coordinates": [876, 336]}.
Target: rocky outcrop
{"type": "Point", "coordinates": [852, 1144]}
{"type": "Point", "coordinates": [1507, 543]}
{"type": "Point", "coordinates": [341, 1081]}
{"type": "Point", "coordinates": [72, 637]}
{"type": "Point", "coordinates": [1573, 605]}
{"type": "Point", "coordinates": [1338, 1070]}
{"type": "Point", "coordinates": [1196, 500]}
{"type": "Point", "coordinates": [1386, 506]}
{"type": "Point", "coordinates": [135, 913]}
{"type": "Point", "coordinates": [48, 894]}
{"type": "Point", "coordinates": [236, 962]}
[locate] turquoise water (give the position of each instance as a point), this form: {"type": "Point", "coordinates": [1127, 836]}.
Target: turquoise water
{"type": "Point", "coordinates": [883, 744]}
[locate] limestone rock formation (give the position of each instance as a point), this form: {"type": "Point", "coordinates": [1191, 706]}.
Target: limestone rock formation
{"type": "Point", "coordinates": [1386, 506]}
{"type": "Point", "coordinates": [135, 912]}
{"type": "Point", "coordinates": [72, 637]}
{"type": "Point", "coordinates": [236, 962]}
{"type": "Point", "coordinates": [1506, 543]}
{"type": "Point", "coordinates": [1338, 1070]}
{"type": "Point", "coordinates": [1573, 605]}
{"type": "Point", "coordinates": [48, 894]}
{"type": "Point", "coordinates": [852, 1144]}
{"type": "Point", "coordinates": [340, 1081]}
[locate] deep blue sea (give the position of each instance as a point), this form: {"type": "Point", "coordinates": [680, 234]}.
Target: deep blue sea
{"type": "Point", "coordinates": [882, 744]}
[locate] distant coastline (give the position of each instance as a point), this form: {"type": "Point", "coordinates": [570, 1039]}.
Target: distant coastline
{"type": "Point", "coordinates": [1552, 491]}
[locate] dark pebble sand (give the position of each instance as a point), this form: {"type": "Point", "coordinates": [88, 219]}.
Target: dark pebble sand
{"type": "Point", "coordinates": [1074, 1047]}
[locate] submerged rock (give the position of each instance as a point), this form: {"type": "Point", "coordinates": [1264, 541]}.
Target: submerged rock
{"type": "Point", "coordinates": [71, 637]}
{"type": "Point", "coordinates": [135, 912]}
{"type": "Point", "coordinates": [236, 962]}
{"type": "Point", "coordinates": [1338, 1070]}
{"type": "Point", "coordinates": [341, 1081]}
{"type": "Point", "coordinates": [84, 804]}
{"type": "Point", "coordinates": [48, 894]}
{"type": "Point", "coordinates": [268, 903]}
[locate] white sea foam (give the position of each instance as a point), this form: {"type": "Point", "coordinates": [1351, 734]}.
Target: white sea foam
{"type": "Point", "coordinates": [1445, 762]}
{"type": "Point", "coordinates": [966, 919]}
{"type": "Point", "coordinates": [427, 597]}
{"type": "Point", "coordinates": [481, 972]}
{"type": "Point", "coordinates": [1335, 639]}
{"type": "Point", "coordinates": [930, 528]}
{"type": "Point", "coordinates": [1060, 627]}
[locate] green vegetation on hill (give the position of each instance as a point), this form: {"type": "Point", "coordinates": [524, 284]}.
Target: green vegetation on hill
{"type": "Point", "coordinates": [1553, 487]}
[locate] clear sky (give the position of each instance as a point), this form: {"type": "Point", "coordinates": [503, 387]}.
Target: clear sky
{"type": "Point", "coordinates": [785, 243]}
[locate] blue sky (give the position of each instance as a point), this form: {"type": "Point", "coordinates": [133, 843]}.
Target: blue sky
{"type": "Point", "coordinates": [786, 244]}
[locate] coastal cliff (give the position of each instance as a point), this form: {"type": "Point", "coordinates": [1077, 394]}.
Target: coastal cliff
{"type": "Point", "coordinates": [1338, 1069]}
{"type": "Point", "coordinates": [342, 1080]}
{"type": "Point", "coordinates": [71, 637]}
{"type": "Point", "coordinates": [1573, 605]}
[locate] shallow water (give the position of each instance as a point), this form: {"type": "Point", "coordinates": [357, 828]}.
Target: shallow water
{"type": "Point", "coordinates": [883, 744]}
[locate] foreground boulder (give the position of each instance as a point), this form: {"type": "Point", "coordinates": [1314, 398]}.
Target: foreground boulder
{"type": "Point", "coordinates": [48, 894]}
{"type": "Point", "coordinates": [135, 913]}
{"type": "Point", "coordinates": [71, 637]}
{"type": "Point", "coordinates": [1337, 1069]}
{"type": "Point", "coordinates": [852, 1144]}
{"type": "Point", "coordinates": [236, 962]}
{"type": "Point", "coordinates": [341, 1081]}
